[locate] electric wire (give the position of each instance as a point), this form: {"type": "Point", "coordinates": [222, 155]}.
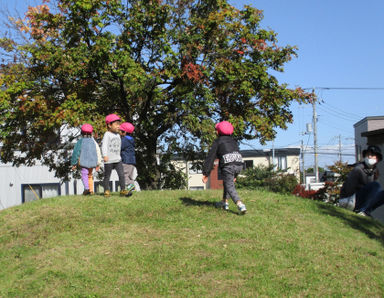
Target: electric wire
{"type": "Point", "coordinates": [353, 115]}
{"type": "Point", "coordinates": [338, 115]}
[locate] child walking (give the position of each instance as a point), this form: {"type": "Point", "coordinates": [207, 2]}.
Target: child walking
{"type": "Point", "coordinates": [128, 154]}
{"type": "Point", "coordinates": [226, 149]}
{"type": "Point", "coordinates": [110, 148]}
{"type": "Point", "coordinates": [86, 154]}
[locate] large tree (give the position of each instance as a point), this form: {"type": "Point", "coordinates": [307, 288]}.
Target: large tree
{"type": "Point", "coordinates": [171, 67]}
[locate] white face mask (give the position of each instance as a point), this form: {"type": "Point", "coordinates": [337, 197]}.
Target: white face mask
{"type": "Point", "coordinates": [370, 162]}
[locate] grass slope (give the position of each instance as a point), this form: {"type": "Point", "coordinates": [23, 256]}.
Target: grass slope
{"type": "Point", "coordinates": [175, 243]}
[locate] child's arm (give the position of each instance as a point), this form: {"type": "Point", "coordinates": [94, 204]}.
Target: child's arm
{"type": "Point", "coordinates": [208, 163]}
{"type": "Point", "coordinates": [104, 147]}
{"type": "Point", "coordinates": [76, 154]}
{"type": "Point", "coordinates": [98, 152]}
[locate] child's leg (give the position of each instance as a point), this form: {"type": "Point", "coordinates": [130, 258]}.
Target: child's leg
{"type": "Point", "coordinates": [84, 177]}
{"type": "Point", "coordinates": [120, 172]}
{"type": "Point", "coordinates": [90, 179]}
{"type": "Point", "coordinates": [226, 195]}
{"type": "Point", "coordinates": [129, 174]}
{"type": "Point", "coordinates": [107, 174]}
{"type": "Point", "coordinates": [229, 173]}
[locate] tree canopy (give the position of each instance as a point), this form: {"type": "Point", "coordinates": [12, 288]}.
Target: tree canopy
{"type": "Point", "coordinates": [171, 67]}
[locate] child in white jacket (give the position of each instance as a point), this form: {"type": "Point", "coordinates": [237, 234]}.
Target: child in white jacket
{"type": "Point", "coordinates": [110, 148]}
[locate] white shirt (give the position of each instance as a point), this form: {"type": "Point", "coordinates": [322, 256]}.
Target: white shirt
{"type": "Point", "coordinates": [111, 146]}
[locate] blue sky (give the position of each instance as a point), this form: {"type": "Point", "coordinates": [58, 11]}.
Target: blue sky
{"type": "Point", "coordinates": [341, 45]}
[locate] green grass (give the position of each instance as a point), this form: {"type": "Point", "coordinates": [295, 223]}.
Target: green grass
{"type": "Point", "coordinates": [175, 243]}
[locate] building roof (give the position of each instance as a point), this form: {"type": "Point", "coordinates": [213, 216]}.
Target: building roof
{"type": "Point", "coordinates": [372, 133]}
{"type": "Point", "coordinates": [269, 152]}
{"type": "Point", "coordinates": [366, 119]}
{"type": "Point", "coordinates": [258, 153]}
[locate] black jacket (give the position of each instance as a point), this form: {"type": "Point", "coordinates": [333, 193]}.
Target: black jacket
{"type": "Point", "coordinates": [360, 176]}
{"type": "Point", "coordinates": [226, 149]}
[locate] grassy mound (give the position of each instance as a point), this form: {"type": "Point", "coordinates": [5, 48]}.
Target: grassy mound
{"type": "Point", "coordinates": [175, 243]}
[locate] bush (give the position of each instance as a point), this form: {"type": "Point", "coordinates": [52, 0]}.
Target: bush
{"type": "Point", "coordinates": [329, 193]}
{"type": "Point", "coordinates": [282, 183]}
{"type": "Point", "coordinates": [254, 178]}
{"type": "Point", "coordinates": [262, 177]}
{"type": "Point", "coordinates": [300, 191]}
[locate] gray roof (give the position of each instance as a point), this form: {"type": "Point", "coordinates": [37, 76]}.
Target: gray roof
{"type": "Point", "coordinates": [371, 133]}
{"type": "Point", "coordinates": [268, 152]}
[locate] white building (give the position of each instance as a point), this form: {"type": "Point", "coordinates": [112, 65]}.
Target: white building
{"type": "Point", "coordinates": [283, 159]}
{"type": "Point", "coordinates": [23, 184]}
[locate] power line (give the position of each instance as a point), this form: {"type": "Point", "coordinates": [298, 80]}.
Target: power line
{"type": "Point", "coordinates": [337, 114]}
{"type": "Point", "coordinates": [336, 109]}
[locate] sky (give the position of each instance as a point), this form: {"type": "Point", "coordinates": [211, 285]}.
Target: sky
{"type": "Point", "coordinates": [341, 45]}
{"type": "Point", "coordinates": [340, 54]}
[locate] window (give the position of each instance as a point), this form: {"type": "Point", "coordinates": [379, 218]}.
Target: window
{"type": "Point", "coordinates": [248, 164]}
{"type": "Point", "coordinates": [194, 168]}
{"type": "Point", "coordinates": [280, 162]}
{"type": "Point", "coordinates": [32, 192]}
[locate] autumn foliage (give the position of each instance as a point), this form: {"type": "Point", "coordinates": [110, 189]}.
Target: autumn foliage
{"type": "Point", "coordinates": [173, 68]}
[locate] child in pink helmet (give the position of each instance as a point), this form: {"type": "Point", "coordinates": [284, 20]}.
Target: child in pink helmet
{"type": "Point", "coordinates": [226, 149]}
{"type": "Point", "coordinates": [86, 154]}
{"type": "Point", "coordinates": [128, 155]}
{"type": "Point", "coordinates": [110, 148]}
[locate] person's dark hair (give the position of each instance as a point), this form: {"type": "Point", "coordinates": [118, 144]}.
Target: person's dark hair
{"type": "Point", "coordinates": [374, 150]}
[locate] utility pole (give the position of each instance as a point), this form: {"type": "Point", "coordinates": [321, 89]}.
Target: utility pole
{"type": "Point", "coordinates": [302, 160]}
{"type": "Point", "coordinates": [340, 148]}
{"type": "Point", "coordinates": [315, 140]}
{"type": "Point", "coordinates": [273, 155]}
{"type": "Point", "coordinates": [308, 132]}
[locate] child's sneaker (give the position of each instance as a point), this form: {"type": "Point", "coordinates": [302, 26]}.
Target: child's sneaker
{"type": "Point", "coordinates": [107, 193]}
{"type": "Point", "coordinates": [86, 192]}
{"type": "Point", "coordinates": [131, 187]}
{"type": "Point", "coordinates": [242, 208]}
{"type": "Point", "coordinates": [223, 205]}
{"type": "Point", "coordinates": [124, 193]}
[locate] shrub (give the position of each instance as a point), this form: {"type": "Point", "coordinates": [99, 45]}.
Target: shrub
{"type": "Point", "coordinates": [266, 178]}
{"type": "Point", "coordinates": [300, 191]}
{"type": "Point", "coordinates": [329, 193]}
{"type": "Point", "coordinates": [282, 183]}
{"type": "Point", "coordinates": [254, 178]}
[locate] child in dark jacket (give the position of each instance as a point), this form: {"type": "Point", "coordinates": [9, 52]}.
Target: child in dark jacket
{"type": "Point", "coordinates": [226, 149]}
{"type": "Point", "coordinates": [128, 154]}
{"type": "Point", "coordinates": [87, 155]}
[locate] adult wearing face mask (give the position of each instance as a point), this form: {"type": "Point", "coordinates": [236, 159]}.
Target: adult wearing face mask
{"type": "Point", "coordinates": [361, 192]}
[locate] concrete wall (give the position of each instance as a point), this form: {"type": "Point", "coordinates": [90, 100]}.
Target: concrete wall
{"type": "Point", "coordinates": [14, 179]}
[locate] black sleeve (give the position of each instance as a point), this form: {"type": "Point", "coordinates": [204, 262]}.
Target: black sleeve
{"type": "Point", "coordinates": [353, 183]}
{"type": "Point", "coordinates": [210, 159]}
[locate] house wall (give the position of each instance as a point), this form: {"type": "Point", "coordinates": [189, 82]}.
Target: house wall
{"type": "Point", "coordinates": [16, 184]}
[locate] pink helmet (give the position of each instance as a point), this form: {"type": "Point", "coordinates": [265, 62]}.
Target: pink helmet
{"type": "Point", "coordinates": [112, 118]}
{"type": "Point", "coordinates": [127, 127]}
{"type": "Point", "coordinates": [86, 128]}
{"type": "Point", "coordinates": [224, 128]}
